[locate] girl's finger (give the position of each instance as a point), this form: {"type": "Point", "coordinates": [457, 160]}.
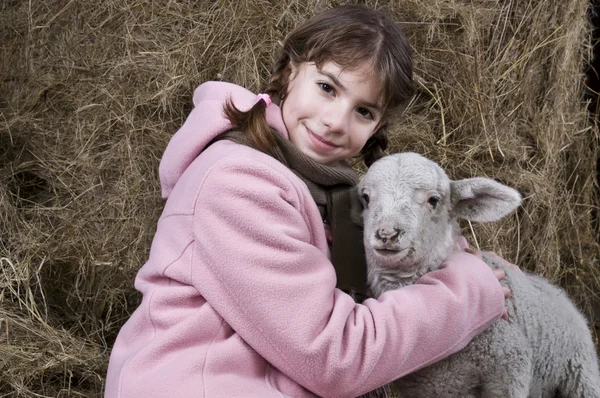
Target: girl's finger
{"type": "Point", "coordinates": [474, 252]}
{"type": "Point", "coordinates": [498, 258]}
{"type": "Point", "coordinates": [500, 274]}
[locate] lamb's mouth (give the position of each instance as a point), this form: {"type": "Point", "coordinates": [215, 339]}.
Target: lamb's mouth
{"type": "Point", "coordinates": [393, 252]}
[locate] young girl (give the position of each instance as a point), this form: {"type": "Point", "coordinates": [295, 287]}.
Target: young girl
{"type": "Point", "coordinates": [239, 293]}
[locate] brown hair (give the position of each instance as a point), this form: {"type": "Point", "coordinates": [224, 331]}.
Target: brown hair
{"type": "Point", "coordinates": [350, 36]}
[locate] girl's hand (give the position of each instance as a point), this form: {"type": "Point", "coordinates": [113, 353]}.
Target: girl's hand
{"type": "Point", "coordinates": [503, 261]}
{"type": "Point", "coordinates": [499, 272]}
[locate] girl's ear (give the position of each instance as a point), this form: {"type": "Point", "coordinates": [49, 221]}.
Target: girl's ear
{"type": "Point", "coordinates": [292, 71]}
{"type": "Point", "coordinates": [288, 74]}
{"type": "Point", "coordinates": [375, 146]}
{"type": "Point", "coordinates": [482, 199]}
{"type": "Point", "coordinates": [382, 125]}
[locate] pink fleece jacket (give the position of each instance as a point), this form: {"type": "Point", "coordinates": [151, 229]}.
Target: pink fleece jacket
{"type": "Point", "coordinates": [239, 296]}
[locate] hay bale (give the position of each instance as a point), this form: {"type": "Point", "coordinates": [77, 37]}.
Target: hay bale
{"type": "Point", "coordinates": [91, 92]}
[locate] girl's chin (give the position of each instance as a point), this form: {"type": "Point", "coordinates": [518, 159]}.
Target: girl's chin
{"type": "Point", "coordinates": [318, 156]}
{"type": "Point", "coordinates": [324, 160]}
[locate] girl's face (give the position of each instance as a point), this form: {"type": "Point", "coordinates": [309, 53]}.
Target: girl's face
{"type": "Point", "coordinates": [330, 113]}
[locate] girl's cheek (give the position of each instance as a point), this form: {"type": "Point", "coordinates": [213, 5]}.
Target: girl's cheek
{"type": "Point", "coordinates": [365, 139]}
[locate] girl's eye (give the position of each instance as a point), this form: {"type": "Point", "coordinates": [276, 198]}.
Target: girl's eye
{"type": "Point", "coordinates": [327, 88]}
{"type": "Point", "coordinates": [433, 201]}
{"type": "Point", "coordinates": [364, 112]}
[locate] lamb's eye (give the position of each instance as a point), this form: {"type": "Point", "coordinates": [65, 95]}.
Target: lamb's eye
{"type": "Point", "coordinates": [365, 198]}
{"type": "Point", "coordinates": [433, 201]}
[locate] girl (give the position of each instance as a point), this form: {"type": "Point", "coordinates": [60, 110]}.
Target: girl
{"type": "Point", "coordinates": [239, 293]}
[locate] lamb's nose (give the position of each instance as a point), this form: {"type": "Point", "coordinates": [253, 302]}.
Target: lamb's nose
{"type": "Point", "coordinates": [386, 234]}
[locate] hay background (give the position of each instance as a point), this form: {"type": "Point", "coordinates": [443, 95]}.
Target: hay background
{"type": "Point", "coordinates": [91, 92]}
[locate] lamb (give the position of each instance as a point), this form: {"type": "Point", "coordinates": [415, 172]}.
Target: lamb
{"type": "Point", "coordinates": [410, 212]}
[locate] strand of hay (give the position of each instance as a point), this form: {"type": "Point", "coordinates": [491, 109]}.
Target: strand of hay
{"type": "Point", "coordinates": [91, 92]}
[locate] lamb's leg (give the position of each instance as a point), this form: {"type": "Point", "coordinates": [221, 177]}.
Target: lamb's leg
{"type": "Point", "coordinates": [519, 388]}
{"type": "Point", "coordinates": [508, 380]}
{"type": "Point", "coordinates": [435, 388]}
{"type": "Point", "coordinates": [583, 377]}
{"type": "Point", "coordinates": [496, 364]}
{"type": "Point", "coordinates": [507, 367]}
{"type": "Point", "coordinates": [454, 377]}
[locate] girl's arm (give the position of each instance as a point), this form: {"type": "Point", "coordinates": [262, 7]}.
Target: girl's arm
{"type": "Point", "coordinates": [257, 265]}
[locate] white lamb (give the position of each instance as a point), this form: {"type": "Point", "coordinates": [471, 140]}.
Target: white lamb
{"type": "Point", "coordinates": [410, 211]}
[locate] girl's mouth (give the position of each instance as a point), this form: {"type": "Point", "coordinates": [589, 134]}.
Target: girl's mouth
{"type": "Point", "coordinates": [320, 142]}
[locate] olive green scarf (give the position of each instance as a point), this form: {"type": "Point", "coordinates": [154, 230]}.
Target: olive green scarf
{"type": "Point", "coordinates": [332, 188]}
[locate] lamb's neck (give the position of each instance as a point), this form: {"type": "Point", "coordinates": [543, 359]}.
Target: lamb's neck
{"type": "Point", "coordinates": [384, 279]}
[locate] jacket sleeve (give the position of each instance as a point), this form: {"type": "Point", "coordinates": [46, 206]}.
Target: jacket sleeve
{"type": "Point", "coordinates": [258, 267]}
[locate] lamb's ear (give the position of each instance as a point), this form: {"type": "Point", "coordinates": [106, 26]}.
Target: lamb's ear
{"type": "Point", "coordinates": [482, 199]}
{"type": "Point", "coordinates": [356, 208]}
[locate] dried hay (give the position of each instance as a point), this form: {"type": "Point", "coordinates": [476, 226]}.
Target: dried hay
{"type": "Point", "coordinates": [90, 93]}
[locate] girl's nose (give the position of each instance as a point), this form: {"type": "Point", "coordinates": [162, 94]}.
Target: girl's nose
{"type": "Point", "coordinates": [336, 117]}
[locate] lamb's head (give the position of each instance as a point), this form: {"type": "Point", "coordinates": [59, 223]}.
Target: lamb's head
{"type": "Point", "coordinates": [410, 209]}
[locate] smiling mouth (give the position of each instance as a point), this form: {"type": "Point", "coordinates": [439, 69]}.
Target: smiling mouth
{"type": "Point", "coordinates": [321, 139]}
